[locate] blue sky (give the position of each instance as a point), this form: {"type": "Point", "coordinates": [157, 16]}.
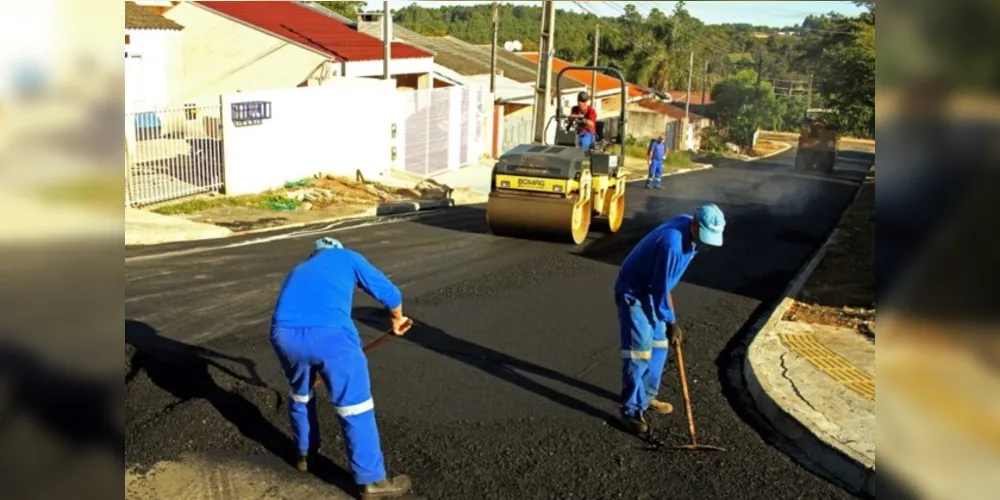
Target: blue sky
{"type": "Point", "coordinates": [760, 13]}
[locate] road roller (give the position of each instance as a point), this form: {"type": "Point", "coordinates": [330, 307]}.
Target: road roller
{"type": "Point", "coordinates": [559, 191]}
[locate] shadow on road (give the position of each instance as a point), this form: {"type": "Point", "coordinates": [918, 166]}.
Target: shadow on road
{"type": "Point", "coordinates": [495, 363]}
{"type": "Point", "coordinates": [772, 225]}
{"type": "Point", "coordinates": [183, 371]}
{"type": "Point", "coordinates": [78, 410]}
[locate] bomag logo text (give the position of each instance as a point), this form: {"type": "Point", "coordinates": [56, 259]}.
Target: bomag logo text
{"type": "Point", "coordinates": [531, 183]}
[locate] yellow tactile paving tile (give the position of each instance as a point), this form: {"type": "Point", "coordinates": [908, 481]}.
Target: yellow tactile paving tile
{"type": "Point", "coordinates": [839, 369]}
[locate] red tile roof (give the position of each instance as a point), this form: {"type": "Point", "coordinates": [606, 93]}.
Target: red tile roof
{"type": "Point", "coordinates": [668, 109]}
{"type": "Point", "coordinates": [681, 96]}
{"type": "Point", "coordinates": [312, 29]}
{"type": "Point", "coordinates": [605, 83]}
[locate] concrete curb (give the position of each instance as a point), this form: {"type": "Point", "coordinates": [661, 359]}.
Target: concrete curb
{"type": "Point", "coordinates": [769, 155]}
{"type": "Point", "coordinates": [834, 460]}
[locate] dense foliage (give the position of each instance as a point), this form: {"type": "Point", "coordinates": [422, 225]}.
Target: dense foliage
{"type": "Point", "coordinates": [654, 51]}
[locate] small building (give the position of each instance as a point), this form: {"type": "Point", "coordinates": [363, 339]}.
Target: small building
{"type": "Point", "coordinates": [154, 67]}
{"type": "Point", "coordinates": [243, 46]}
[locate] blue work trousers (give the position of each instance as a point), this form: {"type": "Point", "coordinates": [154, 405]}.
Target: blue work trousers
{"type": "Point", "coordinates": [336, 355]}
{"type": "Point", "coordinates": [655, 173]}
{"type": "Point", "coordinates": [644, 347]}
{"type": "Point", "coordinates": [586, 140]}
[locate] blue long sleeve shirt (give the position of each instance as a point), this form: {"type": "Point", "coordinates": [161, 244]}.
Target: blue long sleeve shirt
{"type": "Point", "coordinates": [320, 291]}
{"type": "Point", "coordinates": [657, 263]}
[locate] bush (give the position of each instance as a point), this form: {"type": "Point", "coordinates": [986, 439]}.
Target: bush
{"type": "Point", "coordinates": [713, 140]}
{"type": "Point", "coordinates": [678, 158]}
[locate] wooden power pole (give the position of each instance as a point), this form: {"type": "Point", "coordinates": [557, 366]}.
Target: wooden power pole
{"type": "Point", "coordinates": [704, 92]}
{"type": "Point", "coordinates": [543, 83]}
{"type": "Point", "coordinates": [493, 51]}
{"type": "Point", "coordinates": [597, 50]}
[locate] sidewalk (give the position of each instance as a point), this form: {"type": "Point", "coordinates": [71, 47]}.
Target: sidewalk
{"type": "Point", "coordinates": [148, 228]}
{"type": "Point", "coordinates": [811, 368]}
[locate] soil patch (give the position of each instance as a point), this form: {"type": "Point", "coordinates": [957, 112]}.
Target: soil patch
{"type": "Point", "coordinates": [304, 201]}
{"type": "Point", "coordinates": [841, 292]}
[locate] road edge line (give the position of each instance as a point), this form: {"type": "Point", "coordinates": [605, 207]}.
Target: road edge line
{"type": "Point", "coordinates": [833, 461]}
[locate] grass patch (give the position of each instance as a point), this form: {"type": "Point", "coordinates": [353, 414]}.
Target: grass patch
{"type": "Point", "coordinates": [841, 292]}
{"type": "Point", "coordinates": [264, 201]}
{"type": "Point", "coordinates": [674, 158]}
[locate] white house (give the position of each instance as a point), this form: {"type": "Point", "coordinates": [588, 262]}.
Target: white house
{"type": "Point", "coordinates": [154, 66]}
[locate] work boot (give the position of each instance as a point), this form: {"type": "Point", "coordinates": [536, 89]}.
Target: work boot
{"type": "Point", "coordinates": [661, 407]}
{"type": "Point", "coordinates": [636, 425]}
{"type": "Point", "coordinates": [302, 464]}
{"type": "Point", "coordinates": [397, 487]}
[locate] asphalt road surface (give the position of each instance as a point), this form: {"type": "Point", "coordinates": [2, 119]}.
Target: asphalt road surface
{"type": "Point", "coordinates": [506, 387]}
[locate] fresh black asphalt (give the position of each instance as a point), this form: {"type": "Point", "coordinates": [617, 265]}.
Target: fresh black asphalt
{"type": "Point", "coordinates": [506, 386]}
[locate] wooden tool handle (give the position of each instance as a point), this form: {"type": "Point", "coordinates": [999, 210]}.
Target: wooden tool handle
{"type": "Point", "coordinates": [684, 389]}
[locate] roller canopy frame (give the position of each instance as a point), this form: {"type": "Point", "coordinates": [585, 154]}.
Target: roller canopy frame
{"type": "Point", "coordinates": [624, 96]}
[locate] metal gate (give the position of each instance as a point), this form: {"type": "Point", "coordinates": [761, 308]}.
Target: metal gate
{"type": "Point", "coordinates": [427, 131]}
{"type": "Point", "coordinates": [670, 134]}
{"type": "Point", "coordinates": [517, 131]}
{"type": "Point", "coordinates": [172, 154]}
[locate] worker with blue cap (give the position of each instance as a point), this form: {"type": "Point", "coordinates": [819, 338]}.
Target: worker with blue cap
{"type": "Point", "coordinates": [312, 332]}
{"type": "Point", "coordinates": [646, 315]}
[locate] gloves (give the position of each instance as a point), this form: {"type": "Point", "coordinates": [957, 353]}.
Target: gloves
{"type": "Point", "coordinates": [674, 333]}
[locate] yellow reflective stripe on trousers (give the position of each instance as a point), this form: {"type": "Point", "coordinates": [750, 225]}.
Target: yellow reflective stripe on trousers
{"type": "Point", "coordinates": [661, 344]}
{"type": "Point", "coordinates": [302, 399]}
{"type": "Point", "coordinates": [637, 354]}
{"type": "Point", "coordinates": [352, 410]}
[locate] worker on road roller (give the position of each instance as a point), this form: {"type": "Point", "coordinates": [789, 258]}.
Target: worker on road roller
{"type": "Point", "coordinates": [646, 314]}
{"type": "Point", "coordinates": [312, 331]}
{"type": "Point", "coordinates": [587, 115]}
{"type": "Point", "coordinates": [556, 191]}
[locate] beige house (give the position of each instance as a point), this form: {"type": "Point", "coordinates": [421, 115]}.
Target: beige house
{"type": "Point", "coordinates": [243, 46]}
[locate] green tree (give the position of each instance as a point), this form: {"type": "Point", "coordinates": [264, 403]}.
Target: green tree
{"type": "Point", "coordinates": [740, 105]}
{"type": "Point", "coordinates": [347, 9]}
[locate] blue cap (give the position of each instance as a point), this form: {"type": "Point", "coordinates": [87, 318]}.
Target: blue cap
{"type": "Point", "coordinates": [711, 224]}
{"type": "Point", "coordinates": [327, 243]}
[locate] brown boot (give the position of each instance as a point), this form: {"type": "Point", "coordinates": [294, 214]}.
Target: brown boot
{"type": "Point", "coordinates": [636, 425]}
{"type": "Point", "coordinates": [661, 407]}
{"type": "Point", "coordinates": [302, 464]}
{"type": "Point", "coordinates": [386, 488]}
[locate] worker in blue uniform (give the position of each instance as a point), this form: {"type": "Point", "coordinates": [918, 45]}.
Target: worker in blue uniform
{"type": "Point", "coordinates": [312, 332]}
{"type": "Point", "coordinates": [646, 315]}
{"type": "Point", "coordinates": [657, 154]}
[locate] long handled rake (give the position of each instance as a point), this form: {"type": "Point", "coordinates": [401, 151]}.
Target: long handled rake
{"type": "Point", "coordinates": [694, 446]}
{"type": "Point", "coordinates": [656, 444]}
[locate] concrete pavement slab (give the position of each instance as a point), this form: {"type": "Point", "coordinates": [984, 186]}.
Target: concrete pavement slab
{"type": "Point", "coordinates": [816, 385]}
{"type": "Point", "coordinates": [147, 228]}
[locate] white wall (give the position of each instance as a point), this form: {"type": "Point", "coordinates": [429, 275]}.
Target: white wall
{"type": "Point", "coordinates": [396, 67]}
{"type": "Point", "coordinates": [155, 72]}
{"type": "Point", "coordinates": [339, 128]}
{"type": "Point", "coordinates": [221, 55]}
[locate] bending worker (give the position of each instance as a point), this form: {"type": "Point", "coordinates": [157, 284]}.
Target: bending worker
{"type": "Point", "coordinates": [657, 154]}
{"type": "Point", "coordinates": [646, 315]}
{"type": "Point", "coordinates": [312, 330]}
{"type": "Point", "coordinates": [588, 130]}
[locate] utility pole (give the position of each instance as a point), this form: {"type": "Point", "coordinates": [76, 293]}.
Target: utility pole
{"type": "Point", "coordinates": [686, 122]}
{"type": "Point", "coordinates": [809, 99]}
{"type": "Point", "coordinates": [386, 40]}
{"type": "Point", "coordinates": [704, 92]}
{"type": "Point", "coordinates": [756, 106]}
{"type": "Point", "coordinates": [493, 51]}
{"type": "Point", "coordinates": [543, 83]}
{"type": "Point", "coordinates": [597, 48]}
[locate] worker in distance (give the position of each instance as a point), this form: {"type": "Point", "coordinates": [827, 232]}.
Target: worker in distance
{"type": "Point", "coordinates": [646, 315]}
{"type": "Point", "coordinates": [312, 332]}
